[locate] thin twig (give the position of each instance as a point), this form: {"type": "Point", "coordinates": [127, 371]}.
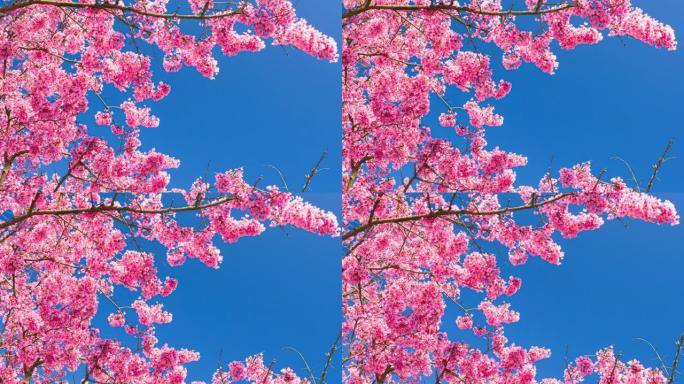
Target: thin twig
{"type": "Point", "coordinates": [109, 208]}
{"type": "Point", "coordinates": [662, 363]}
{"type": "Point", "coordinates": [114, 6]}
{"type": "Point", "coordinates": [306, 364]}
{"type": "Point", "coordinates": [314, 171]}
{"type": "Point", "coordinates": [631, 172]}
{"type": "Point", "coordinates": [656, 167]}
{"type": "Point", "coordinates": [673, 371]}
{"type": "Point", "coordinates": [282, 177]}
{"type": "Point", "coordinates": [329, 356]}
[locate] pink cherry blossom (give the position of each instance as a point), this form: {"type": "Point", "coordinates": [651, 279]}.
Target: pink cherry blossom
{"type": "Point", "coordinates": [76, 204]}
{"type": "Point", "coordinates": [419, 209]}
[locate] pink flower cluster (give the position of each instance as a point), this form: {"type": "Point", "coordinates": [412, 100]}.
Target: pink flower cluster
{"type": "Point", "coordinates": [419, 210]}
{"type": "Point", "coordinates": [76, 202]}
{"type": "Point", "coordinates": [254, 371]}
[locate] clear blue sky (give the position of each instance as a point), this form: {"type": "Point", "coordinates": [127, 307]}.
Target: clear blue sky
{"type": "Point", "coordinates": [279, 107]}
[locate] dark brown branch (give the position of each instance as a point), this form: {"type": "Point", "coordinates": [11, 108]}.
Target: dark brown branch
{"type": "Point", "coordinates": [655, 351]}
{"type": "Point", "coordinates": [8, 165]}
{"type": "Point", "coordinates": [106, 6]}
{"type": "Point", "coordinates": [459, 8]}
{"type": "Point", "coordinates": [356, 167]}
{"type": "Point", "coordinates": [451, 212]}
{"type": "Point", "coordinates": [28, 371]}
{"type": "Point", "coordinates": [110, 208]}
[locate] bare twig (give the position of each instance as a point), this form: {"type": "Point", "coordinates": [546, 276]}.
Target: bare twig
{"type": "Point", "coordinates": [662, 363]}
{"type": "Point", "coordinates": [329, 355]}
{"type": "Point", "coordinates": [356, 167]}
{"type": "Point", "coordinates": [680, 344]}
{"type": "Point", "coordinates": [306, 364]}
{"type": "Point", "coordinates": [631, 172]}
{"type": "Point", "coordinates": [28, 371]}
{"type": "Point", "coordinates": [656, 167]}
{"type": "Point", "coordinates": [450, 212]}
{"type": "Point", "coordinates": [314, 171]}
{"type": "Point", "coordinates": [109, 208]}
{"type": "Point", "coordinates": [282, 177]}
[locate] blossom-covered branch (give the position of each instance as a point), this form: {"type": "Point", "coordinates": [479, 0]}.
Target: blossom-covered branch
{"type": "Point", "coordinates": [427, 213]}
{"type": "Point", "coordinates": [79, 194]}
{"type": "Point", "coordinates": [453, 6]}
{"type": "Point", "coordinates": [137, 9]}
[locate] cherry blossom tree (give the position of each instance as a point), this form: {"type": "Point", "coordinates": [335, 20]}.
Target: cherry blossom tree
{"type": "Point", "coordinates": [77, 194]}
{"type": "Point", "coordinates": [423, 210]}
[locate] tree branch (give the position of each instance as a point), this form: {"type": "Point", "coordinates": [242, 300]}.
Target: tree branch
{"type": "Point", "coordinates": [450, 212]}
{"type": "Point", "coordinates": [124, 8]}
{"type": "Point", "coordinates": [314, 171]}
{"type": "Point", "coordinates": [673, 371]}
{"type": "Point", "coordinates": [658, 165]}
{"type": "Point", "coordinates": [329, 355]}
{"type": "Point", "coordinates": [110, 208]}
{"type": "Point", "coordinates": [459, 8]}
{"type": "Point", "coordinates": [8, 165]}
